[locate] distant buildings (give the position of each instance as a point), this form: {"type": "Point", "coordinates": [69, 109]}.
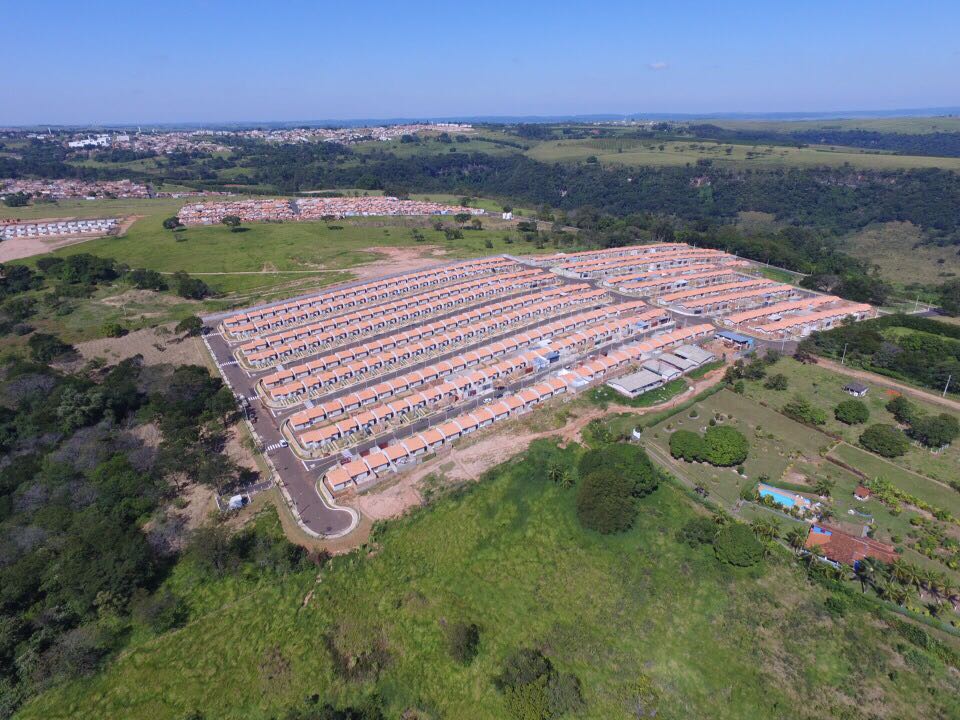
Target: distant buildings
{"type": "Point", "coordinates": [70, 188]}
{"type": "Point", "coordinates": [9, 231]}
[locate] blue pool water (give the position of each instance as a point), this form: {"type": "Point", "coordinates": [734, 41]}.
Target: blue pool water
{"type": "Point", "coordinates": [784, 500]}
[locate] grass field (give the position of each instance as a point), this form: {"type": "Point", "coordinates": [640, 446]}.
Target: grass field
{"type": "Point", "coordinates": [628, 152]}
{"type": "Point", "coordinates": [620, 612]}
{"type": "Point", "coordinates": [891, 247]}
{"type": "Point", "coordinates": [909, 125]}
{"type": "Point", "coordinates": [824, 390]}
{"type": "Point", "coordinates": [603, 395]}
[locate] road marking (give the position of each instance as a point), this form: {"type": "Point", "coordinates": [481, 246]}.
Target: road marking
{"type": "Point", "coordinates": [228, 363]}
{"type": "Point", "coordinates": [274, 446]}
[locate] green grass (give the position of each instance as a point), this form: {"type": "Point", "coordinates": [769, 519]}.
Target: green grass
{"type": "Point", "coordinates": [510, 555]}
{"type": "Point", "coordinates": [776, 444]}
{"type": "Point", "coordinates": [891, 247]}
{"type": "Point", "coordinates": [909, 125]}
{"type": "Point", "coordinates": [824, 390]}
{"type": "Point", "coordinates": [685, 152]}
{"type": "Point", "coordinates": [603, 395]}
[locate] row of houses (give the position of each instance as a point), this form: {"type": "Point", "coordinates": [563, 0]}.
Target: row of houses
{"type": "Point", "coordinates": [802, 324]}
{"type": "Point", "coordinates": [394, 457]}
{"type": "Point", "coordinates": [655, 284]}
{"type": "Point", "coordinates": [99, 226]}
{"type": "Point", "coordinates": [564, 336]}
{"type": "Point", "coordinates": [502, 314]}
{"type": "Point", "coordinates": [331, 301]}
{"type": "Point", "coordinates": [736, 300]}
{"type": "Point", "coordinates": [382, 317]}
{"type": "Point", "coordinates": [279, 210]}
{"type": "Point", "coordinates": [423, 349]}
{"type": "Point", "coordinates": [641, 265]}
{"type": "Point", "coordinates": [63, 188]}
{"type": "Point", "coordinates": [617, 252]}
{"type": "Point", "coordinates": [479, 380]}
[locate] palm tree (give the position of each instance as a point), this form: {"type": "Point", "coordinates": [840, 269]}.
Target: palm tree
{"type": "Point", "coordinates": [823, 487]}
{"type": "Point", "coordinates": [797, 537]}
{"type": "Point", "coordinates": [865, 571]}
{"type": "Point", "coordinates": [892, 591]}
{"type": "Point", "coordinates": [765, 529]}
{"type": "Point", "coordinates": [903, 572]}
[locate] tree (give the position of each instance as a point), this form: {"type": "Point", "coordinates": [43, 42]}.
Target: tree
{"type": "Point", "coordinates": [476, 223]}
{"type": "Point", "coordinates": [903, 410]}
{"type": "Point", "coordinates": [534, 690]}
{"type": "Point", "coordinates": [726, 446]}
{"type": "Point", "coordinates": [935, 431]}
{"type": "Point", "coordinates": [766, 530]}
{"type": "Point", "coordinates": [605, 502]}
{"type": "Point", "coordinates": [231, 221]}
{"type": "Point", "coordinates": [688, 445]}
{"type": "Point", "coordinates": [191, 325]}
{"type": "Point", "coordinates": [736, 545]}
{"type": "Point", "coordinates": [823, 487]}
{"type": "Point", "coordinates": [172, 223]}
{"type": "Point", "coordinates": [46, 348]}
{"type": "Point", "coordinates": [698, 531]}
{"type": "Point", "coordinates": [461, 218]}
{"type": "Point", "coordinates": [852, 412]}
{"type": "Point", "coordinates": [17, 199]}
{"type": "Point", "coordinates": [797, 537]}
{"type": "Point", "coordinates": [885, 440]}
{"type": "Point", "coordinates": [190, 288]}
{"type": "Point", "coordinates": [144, 279]}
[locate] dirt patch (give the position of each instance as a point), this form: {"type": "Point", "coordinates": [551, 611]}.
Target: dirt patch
{"type": "Point", "coordinates": [463, 464]}
{"type": "Point", "coordinates": [399, 260]}
{"type": "Point", "coordinates": [18, 248]}
{"type": "Point", "coordinates": [156, 345]}
{"type": "Point", "coordinates": [142, 297]}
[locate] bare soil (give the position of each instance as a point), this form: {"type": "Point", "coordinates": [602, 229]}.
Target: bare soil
{"type": "Point", "coordinates": [156, 348]}
{"type": "Point", "coordinates": [399, 260]}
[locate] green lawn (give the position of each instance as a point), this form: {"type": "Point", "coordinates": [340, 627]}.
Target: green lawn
{"type": "Point", "coordinates": [509, 555]}
{"type": "Point", "coordinates": [824, 390]}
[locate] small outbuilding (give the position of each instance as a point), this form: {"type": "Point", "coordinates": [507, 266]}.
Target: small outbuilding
{"type": "Point", "coordinates": [856, 389]}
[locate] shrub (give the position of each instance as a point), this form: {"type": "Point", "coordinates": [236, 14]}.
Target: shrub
{"type": "Point", "coordinates": [463, 640]}
{"type": "Point", "coordinates": [114, 330]}
{"type": "Point", "coordinates": [46, 348]}
{"type": "Point", "coordinates": [801, 410]}
{"type": "Point", "coordinates": [192, 326]}
{"type": "Point", "coordinates": [885, 440]}
{"type": "Point", "coordinates": [161, 611]}
{"type": "Point", "coordinates": [171, 222]}
{"type": "Point", "coordinates": [626, 460]}
{"type": "Point", "coordinates": [698, 531]}
{"type": "Point", "coordinates": [777, 382]}
{"type": "Point", "coordinates": [726, 446]}
{"type": "Point", "coordinates": [533, 688]}
{"type": "Point", "coordinates": [852, 412]}
{"type": "Point", "coordinates": [736, 545]}
{"type": "Point", "coordinates": [191, 288]}
{"type": "Point", "coordinates": [688, 445]}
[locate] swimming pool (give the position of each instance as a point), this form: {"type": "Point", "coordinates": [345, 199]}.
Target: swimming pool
{"type": "Point", "coordinates": [785, 500]}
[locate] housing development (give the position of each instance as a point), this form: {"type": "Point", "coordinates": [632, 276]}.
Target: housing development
{"type": "Point", "coordinates": [364, 380]}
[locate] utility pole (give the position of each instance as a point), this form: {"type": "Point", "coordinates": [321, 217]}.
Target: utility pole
{"type": "Point", "coordinates": [916, 303]}
{"type": "Point", "coordinates": [949, 378]}
{"type": "Point", "coordinates": [844, 354]}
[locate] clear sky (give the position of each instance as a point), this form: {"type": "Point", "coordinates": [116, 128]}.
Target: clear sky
{"type": "Point", "coordinates": [75, 62]}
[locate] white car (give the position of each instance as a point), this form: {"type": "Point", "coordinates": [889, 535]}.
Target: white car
{"type": "Point", "coordinates": [284, 443]}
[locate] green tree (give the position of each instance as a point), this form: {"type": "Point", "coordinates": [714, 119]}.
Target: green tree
{"type": "Point", "coordinates": [46, 348]}
{"type": "Point", "coordinates": [935, 431]}
{"type": "Point", "coordinates": [736, 545]}
{"type": "Point", "coordinates": [688, 445]}
{"type": "Point", "coordinates": [231, 221]}
{"type": "Point", "coordinates": [605, 502]}
{"type": "Point", "coordinates": [823, 487]}
{"type": "Point", "coordinates": [172, 223]}
{"type": "Point", "coordinates": [801, 410]}
{"type": "Point", "coordinates": [903, 410]}
{"type": "Point", "coordinates": [463, 640]}
{"type": "Point", "coordinates": [777, 382]}
{"type": "Point", "coordinates": [726, 446]}
{"type": "Point", "coordinates": [191, 325]}
{"type": "Point", "coordinates": [885, 440]}
{"type": "Point", "coordinates": [852, 412]}
{"type": "Point", "coordinates": [797, 537]}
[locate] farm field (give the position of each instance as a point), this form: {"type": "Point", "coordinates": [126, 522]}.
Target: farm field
{"type": "Point", "coordinates": [510, 555]}
{"type": "Point", "coordinates": [909, 125]}
{"type": "Point", "coordinates": [627, 151]}
{"type": "Point", "coordinates": [824, 390]}
{"type": "Point", "coordinates": [893, 247]}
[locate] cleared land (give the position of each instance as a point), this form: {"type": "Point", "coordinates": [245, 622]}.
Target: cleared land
{"type": "Point", "coordinates": [510, 555]}
{"type": "Point", "coordinates": [897, 248]}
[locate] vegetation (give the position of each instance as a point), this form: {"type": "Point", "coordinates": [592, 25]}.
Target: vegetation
{"type": "Point", "coordinates": [885, 440]}
{"type": "Point", "coordinates": [588, 601]}
{"type": "Point", "coordinates": [614, 477]}
{"type": "Point", "coordinates": [852, 412]}
{"type": "Point", "coordinates": [736, 545]}
{"type": "Point", "coordinates": [721, 446]}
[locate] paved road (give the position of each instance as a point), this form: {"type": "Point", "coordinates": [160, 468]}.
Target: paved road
{"type": "Point", "coordinates": [299, 481]}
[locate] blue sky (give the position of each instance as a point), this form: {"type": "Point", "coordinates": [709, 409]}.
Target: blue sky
{"type": "Point", "coordinates": [171, 61]}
